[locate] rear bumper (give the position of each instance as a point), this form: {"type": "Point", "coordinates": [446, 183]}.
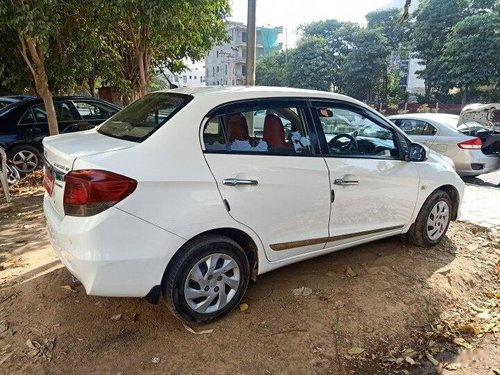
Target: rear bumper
{"type": "Point", "coordinates": [113, 253]}
{"type": "Point", "coordinates": [465, 160]}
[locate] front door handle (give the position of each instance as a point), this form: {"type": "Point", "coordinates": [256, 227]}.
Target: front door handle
{"type": "Point", "coordinates": [238, 181]}
{"type": "Point", "coordinates": [341, 181]}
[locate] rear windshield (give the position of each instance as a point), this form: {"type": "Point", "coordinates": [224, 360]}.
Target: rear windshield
{"type": "Point", "coordinates": [142, 118]}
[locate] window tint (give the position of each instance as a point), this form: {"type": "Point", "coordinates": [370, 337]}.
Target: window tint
{"type": "Point", "coordinates": [39, 113]}
{"type": "Point", "coordinates": [63, 112]}
{"type": "Point", "coordinates": [141, 118]}
{"type": "Point", "coordinates": [414, 127]}
{"type": "Point", "coordinates": [93, 111]}
{"type": "Point", "coordinates": [348, 132]}
{"type": "Point", "coordinates": [28, 117]}
{"type": "Point", "coordinates": [264, 130]}
{"type": "Point", "coordinates": [429, 129]}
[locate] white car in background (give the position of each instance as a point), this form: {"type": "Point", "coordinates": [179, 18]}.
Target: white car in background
{"type": "Point", "coordinates": [179, 194]}
{"type": "Point", "coordinates": [439, 132]}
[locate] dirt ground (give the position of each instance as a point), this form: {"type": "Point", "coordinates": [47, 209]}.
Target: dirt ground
{"type": "Point", "coordinates": [401, 309]}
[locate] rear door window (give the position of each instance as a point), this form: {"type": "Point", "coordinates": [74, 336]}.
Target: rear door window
{"type": "Point", "coordinates": [93, 111]}
{"type": "Point", "coordinates": [143, 117]}
{"type": "Point", "coordinates": [268, 129]}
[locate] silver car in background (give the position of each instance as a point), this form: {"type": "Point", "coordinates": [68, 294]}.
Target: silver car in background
{"type": "Point", "coordinates": [439, 132]}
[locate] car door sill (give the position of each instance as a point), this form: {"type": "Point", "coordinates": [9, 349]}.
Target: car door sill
{"type": "Point", "coordinates": [313, 241]}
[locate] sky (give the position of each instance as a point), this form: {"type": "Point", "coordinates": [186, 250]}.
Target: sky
{"type": "Point", "coordinates": [291, 13]}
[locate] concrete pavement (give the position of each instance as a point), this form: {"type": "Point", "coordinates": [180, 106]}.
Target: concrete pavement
{"type": "Point", "coordinates": [481, 203]}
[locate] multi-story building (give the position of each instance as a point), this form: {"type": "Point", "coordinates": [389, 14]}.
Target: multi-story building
{"type": "Point", "coordinates": [189, 78]}
{"type": "Point", "coordinates": [226, 64]}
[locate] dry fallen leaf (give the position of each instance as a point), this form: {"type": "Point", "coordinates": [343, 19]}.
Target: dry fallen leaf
{"type": "Point", "coordinates": [410, 360]}
{"type": "Point", "coordinates": [355, 350]}
{"type": "Point", "coordinates": [69, 288]}
{"type": "Point", "coordinates": [453, 366]}
{"type": "Point", "coordinates": [350, 272]}
{"type": "Point", "coordinates": [243, 307]}
{"type": "Point", "coordinates": [203, 332]}
{"type": "Point", "coordinates": [116, 317]}
{"type": "Point", "coordinates": [462, 342]}
{"type": "Point", "coordinates": [399, 360]}
{"type": "Point", "coordinates": [304, 291]}
{"type": "Point", "coordinates": [431, 359]}
{"type": "Point", "coordinates": [471, 329]}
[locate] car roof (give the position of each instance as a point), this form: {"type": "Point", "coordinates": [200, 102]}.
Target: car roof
{"type": "Point", "coordinates": [255, 92]}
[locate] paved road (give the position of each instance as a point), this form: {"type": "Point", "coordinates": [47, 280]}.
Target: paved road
{"type": "Point", "coordinates": [481, 204]}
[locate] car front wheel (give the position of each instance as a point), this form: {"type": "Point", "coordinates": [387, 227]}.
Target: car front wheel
{"type": "Point", "coordinates": [207, 279]}
{"type": "Point", "coordinates": [432, 221]}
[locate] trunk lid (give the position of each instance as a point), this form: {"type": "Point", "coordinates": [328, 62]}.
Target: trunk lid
{"type": "Point", "coordinates": [61, 151]}
{"type": "Point", "coordinates": [482, 121]}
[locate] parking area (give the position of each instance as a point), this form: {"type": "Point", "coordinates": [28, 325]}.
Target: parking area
{"type": "Point", "coordinates": [384, 307]}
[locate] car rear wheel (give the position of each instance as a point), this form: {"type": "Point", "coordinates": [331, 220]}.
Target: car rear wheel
{"type": "Point", "coordinates": [25, 158]}
{"type": "Point", "coordinates": [207, 279]}
{"type": "Point", "coordinates": [432, 221]}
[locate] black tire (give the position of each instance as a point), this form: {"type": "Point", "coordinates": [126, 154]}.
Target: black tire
{"type": "Point", "coordinates": [419, 233]}
{"type": "Point", "coordinates": [174, 280]}
{"type": "Point", "coordinates": [19, 153]}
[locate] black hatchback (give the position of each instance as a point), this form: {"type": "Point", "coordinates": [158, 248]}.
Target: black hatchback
{"type": "Point", "coordinates": [23, 125]}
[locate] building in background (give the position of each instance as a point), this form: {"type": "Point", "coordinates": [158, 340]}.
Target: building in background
{"type": "Point", "coordinates": [415, 85]}
{"type": "Point", "coordinates": [226, 64]}
{"type": "Point", "coordinates": [189, 78]}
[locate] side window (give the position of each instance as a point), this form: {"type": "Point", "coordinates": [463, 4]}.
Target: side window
{"type": "Point", "coordinates": [28, 117]}
{"type": "Point", "coordinates": [93, 111]}
{"type": "Point", "coordinates": [429, 129]}
{"type": "Point", "coordinates": [351, 133]}
{"type": "Point", "coordinates": [261, 130]}
{"type": "Point", "coordinates": [39, 113]}
{"type": "Point", "coordinates": [63, 112]}
{"type": "Point", "coordinates": [412, 127]}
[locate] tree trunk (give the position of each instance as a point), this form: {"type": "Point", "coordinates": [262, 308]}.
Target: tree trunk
{"type": "Point", "coordinates": [34, 58]}
{"type": "Point", "coordinates": [465, 92]}
{"type": "Point", "coordinates": [427, 91]}
{"type": "Point", "coordinates": [91, 83]}
{"type": "Point", "coordinates": [143, 73]}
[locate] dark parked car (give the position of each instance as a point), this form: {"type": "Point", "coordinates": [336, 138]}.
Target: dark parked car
{"type": "Point", "coordinates": [24, 124]}
{"type": "Point", "coordinates": [7, 100]}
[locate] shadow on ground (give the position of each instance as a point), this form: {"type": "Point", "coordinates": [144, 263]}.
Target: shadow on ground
{"type": "Point", "coordinates": [394, 292]}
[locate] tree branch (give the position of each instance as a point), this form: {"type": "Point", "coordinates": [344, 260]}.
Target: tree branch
{"type": "Point", "coordinates": [25, 55]}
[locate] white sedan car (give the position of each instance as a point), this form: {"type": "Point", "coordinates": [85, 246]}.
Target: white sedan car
{"type": "Point", "coordinates": [176, 194]}
{"type": "Point", "coordinates": [439, 132]}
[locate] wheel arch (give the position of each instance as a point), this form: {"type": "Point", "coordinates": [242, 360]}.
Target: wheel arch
{"type": "Point", "coordinates": [454, 196]}
{"type": "Point", "coordinates": [240, 237]}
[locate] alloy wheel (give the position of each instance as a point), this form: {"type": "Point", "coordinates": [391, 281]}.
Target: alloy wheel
{"type": "Point", "coordinates": [212, 283]}
{"type": "Point", "coordinates": [25, 161]}
{"type": "Point", "coordinates": [438, 219]}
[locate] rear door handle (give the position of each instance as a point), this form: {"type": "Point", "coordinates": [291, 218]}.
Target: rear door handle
{"type": "Point", "coordinates": [341, 181]}
{"type": "Point", "coordinates": [238, 181]}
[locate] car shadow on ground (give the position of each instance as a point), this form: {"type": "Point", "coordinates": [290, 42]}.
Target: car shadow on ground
{"type": "Point", "coordinates": [393, 292]}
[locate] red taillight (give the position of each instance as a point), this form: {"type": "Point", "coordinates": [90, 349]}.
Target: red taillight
{"type": "Point", "coordinates": [88, 192]}
{"type": "Point", "coordinates": [474, 143]}
{"type": "Point", "coordinates": [48, 180]}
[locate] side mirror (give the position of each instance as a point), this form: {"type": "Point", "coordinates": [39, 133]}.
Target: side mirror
{"type": "Point", "coordinates": [417, 152]}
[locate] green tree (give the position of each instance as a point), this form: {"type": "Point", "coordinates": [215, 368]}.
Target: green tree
{"type": "Point", "coordinates": [271, 70]}
{"type": "Point", "coordinates": [385, 20]}
{"type": "Point", "coordinates": [310, 65]}
{"type": "Point", "coordinates": [164, 31]}
{"type": "Point", "coordinates": [471, 52]}
{"type": "Point", "coordinates": [435, 20]}
{"type": "Point", "coordinates": [364, 72]}
{"type": "Point", "coordinates": [36, 24]}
